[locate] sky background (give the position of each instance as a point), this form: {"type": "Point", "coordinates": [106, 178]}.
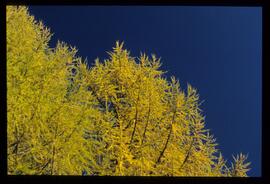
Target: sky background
{"type": "Point", "coordinates": [218, 50]}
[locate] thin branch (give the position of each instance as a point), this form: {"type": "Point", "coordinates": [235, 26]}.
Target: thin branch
{"type": "Point", "coordinates": [136, 117]}
{"type": "Point", "coordinates": [44, 166]}
{"type": "Point", "coordinates": [165, 147]}
{"type": "Point", "coordinates": [53, 152]}
{"type": "Point", "coordinates": [52, 160]}
{"type": "Point", "coordinates": [129, 124]}
{"type": "Point", "coordinates": [188, 153]}
{"type": "Point", "coordinates": [147, 122]}
{"type": "Point", "coordinates": [167, 141]}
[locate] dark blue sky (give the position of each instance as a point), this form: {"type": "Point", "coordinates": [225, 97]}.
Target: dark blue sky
{"type": "Point", "coordinates": [218, 50]}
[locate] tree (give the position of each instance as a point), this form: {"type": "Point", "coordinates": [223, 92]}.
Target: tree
{"type": "Point", "coordinates": [45, 127]}
{"type": "Point", "coordinates": [119, 117]}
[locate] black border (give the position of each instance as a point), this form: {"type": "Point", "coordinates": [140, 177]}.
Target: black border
{"type": "Point", "coordinates": [113, 179]}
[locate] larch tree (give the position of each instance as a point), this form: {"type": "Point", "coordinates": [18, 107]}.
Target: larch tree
{"type": "Point", "coordinates": [46, 125]}
{"type": "Point", "coordinates": [120, 116]}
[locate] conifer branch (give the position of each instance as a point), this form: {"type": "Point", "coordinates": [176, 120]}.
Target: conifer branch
{"type": "Point", "coordinates": [136, 116]}
{"type": "Point", "coordinates": [167, 140]}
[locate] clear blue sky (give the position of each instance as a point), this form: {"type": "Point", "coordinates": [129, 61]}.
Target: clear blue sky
{"type": "Point", "coordinates": [218, 50]}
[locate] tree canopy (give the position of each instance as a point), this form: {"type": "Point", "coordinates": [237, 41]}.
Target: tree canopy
{"type": "Point", "coordinates": [120, 116]}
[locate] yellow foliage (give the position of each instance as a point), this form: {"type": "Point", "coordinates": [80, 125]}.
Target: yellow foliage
{"type": "Point", "coordinates": [120, 117]}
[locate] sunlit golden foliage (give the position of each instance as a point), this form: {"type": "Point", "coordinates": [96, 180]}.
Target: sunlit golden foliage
{"type": "Point", "coordinates": [121, 116]}
{"type": "Point", "coordinates": [45, 127]}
